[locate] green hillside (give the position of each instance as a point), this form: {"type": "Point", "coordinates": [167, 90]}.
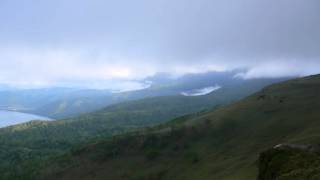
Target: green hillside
{"type": "Point", "coordinates": [35, 141]}
{"type": "Point", "coordinates": [223, 144]}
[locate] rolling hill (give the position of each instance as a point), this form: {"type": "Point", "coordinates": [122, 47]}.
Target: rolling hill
{"type": "Point", "coordinates": [58, 103]}
{"type": "Point", "coordinates": [221, 144]}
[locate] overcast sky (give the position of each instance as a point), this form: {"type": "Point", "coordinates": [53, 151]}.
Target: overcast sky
{"type": "Point", "coordinates": [59, 42]}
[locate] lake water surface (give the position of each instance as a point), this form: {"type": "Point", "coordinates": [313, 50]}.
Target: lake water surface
{"type": "Point", "coordinates": [8, 118]}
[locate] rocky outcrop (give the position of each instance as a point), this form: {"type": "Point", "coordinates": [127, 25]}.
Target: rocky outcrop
{"type": "Point", "coordinates": [290, 162]}
{"type": "Point", "coordinates": [305, 147]}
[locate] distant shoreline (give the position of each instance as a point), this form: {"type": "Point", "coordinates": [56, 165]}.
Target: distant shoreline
{"type": "Point", "coordinates": [10, 117]}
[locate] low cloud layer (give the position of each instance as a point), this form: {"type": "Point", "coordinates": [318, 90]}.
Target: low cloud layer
{"type": "Point", "coordinates": [102, 42]}
{"type": "Point", "coordinates": [201, 92]}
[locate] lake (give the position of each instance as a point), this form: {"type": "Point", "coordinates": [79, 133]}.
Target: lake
{"type": "Point", "coordinates": [8, 118]}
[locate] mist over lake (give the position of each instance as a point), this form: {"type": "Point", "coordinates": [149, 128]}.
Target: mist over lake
{"type": "Point", "coordinates": [8, 118]}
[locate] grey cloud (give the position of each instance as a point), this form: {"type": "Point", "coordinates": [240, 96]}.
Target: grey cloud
{"type": "Point", "coordinates": [269, 37]}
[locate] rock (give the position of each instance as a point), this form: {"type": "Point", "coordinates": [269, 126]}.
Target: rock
{"type": "Point", "coordinates": [306, 147]}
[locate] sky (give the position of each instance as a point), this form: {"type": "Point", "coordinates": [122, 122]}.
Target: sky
{"type": "Point", "coordinates": [116, 44]}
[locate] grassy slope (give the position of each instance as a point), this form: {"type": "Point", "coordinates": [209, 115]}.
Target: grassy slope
{"type": "Point", "coordinates": [222, 144]}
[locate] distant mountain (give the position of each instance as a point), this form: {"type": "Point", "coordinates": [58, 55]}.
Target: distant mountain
{"type": "Point", "coordinates": [221, 144]}
{"type": "Point", "coordinates": [60, 103]}
{"type": "Point", "coordinates": [31, 99]}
